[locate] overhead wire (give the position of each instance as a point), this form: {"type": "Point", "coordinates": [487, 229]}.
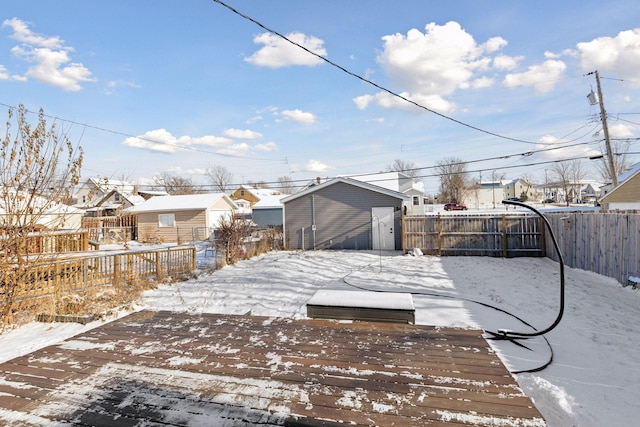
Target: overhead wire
{"type": "Point", "coordinates": [368, 81]}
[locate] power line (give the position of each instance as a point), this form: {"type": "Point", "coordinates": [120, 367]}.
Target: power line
{"type": "Point", "coordinates": [142, 138]}
{"type": "Point", "coordinates": [370, 82]}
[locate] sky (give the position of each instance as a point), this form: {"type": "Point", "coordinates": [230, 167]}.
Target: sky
{"type": "Point", "coordinates": [150, 87]}
{"type": "Point", "coordinates": [593, 380]}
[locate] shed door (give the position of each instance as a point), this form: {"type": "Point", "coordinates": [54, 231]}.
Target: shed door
{"type": "Point", "coordinates": [382, 228]}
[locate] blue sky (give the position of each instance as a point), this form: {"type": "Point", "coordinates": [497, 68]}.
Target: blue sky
{"type": "Point", "coordinates": [156, 86]}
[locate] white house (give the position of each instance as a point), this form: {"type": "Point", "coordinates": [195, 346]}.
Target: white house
{"type": "Point", "coordinates": [401, 183]}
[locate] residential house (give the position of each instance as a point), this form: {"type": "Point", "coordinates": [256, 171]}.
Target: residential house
{"type": "Point", "coordinates": [417, 203]}
{"type": "Point", "coordinates": [106, 197]}
{"type": "Point", "coordinates": [626, 195]}
{"type": "Point", "coordinates": [521, 189]}
{"type": "Point", "coordinates": [183, 218]}
{"type": "Point", "coordinates": [485, 195]}
{"type": "Point", "coordinates": [48, 215]}
{"type": "Point", "coordinates": [344, 213]}
{"type": "Point", "coordinates": [251, 194]}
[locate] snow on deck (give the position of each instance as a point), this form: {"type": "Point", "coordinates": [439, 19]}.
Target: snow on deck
{"type": "Point", "coordinates": [165, 368]}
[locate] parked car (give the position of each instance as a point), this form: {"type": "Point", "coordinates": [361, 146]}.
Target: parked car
{"type": "Point", "coordinates": [454, 207]}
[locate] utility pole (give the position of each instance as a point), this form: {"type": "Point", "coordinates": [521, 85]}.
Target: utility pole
{"type": "Point", "coordinates": [605, 129]}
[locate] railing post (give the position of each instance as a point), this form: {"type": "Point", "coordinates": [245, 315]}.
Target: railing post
{"type": "Point", "coordinates": [116, 270]}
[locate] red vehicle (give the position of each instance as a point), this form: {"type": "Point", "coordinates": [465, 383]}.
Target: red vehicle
{"type": "Point", "coordinates": [454, 207]}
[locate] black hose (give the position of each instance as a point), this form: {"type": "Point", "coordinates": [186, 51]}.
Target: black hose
{"type": "Point", "coordinates": [484, 304]}
{"type": "Point", "coordinates": [507, 334]}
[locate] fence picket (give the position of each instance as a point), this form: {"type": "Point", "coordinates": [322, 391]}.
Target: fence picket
{"type": "Point", "coordinates": [74, 274]}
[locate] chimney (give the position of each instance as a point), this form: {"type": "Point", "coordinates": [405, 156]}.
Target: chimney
{"type": "Point", "coordinates": [319, 180]}
{"type": "Point", "coordinates": [135, 190]}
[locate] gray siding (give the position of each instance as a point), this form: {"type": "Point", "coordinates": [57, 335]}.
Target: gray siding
{"type": "Point", "coordinates": [266, 217]}
{"type": "Point", "coordinates": [342, 215]}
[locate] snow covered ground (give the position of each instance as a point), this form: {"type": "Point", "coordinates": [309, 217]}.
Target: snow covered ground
{"type": "Point", "coordinates": [594, 378]}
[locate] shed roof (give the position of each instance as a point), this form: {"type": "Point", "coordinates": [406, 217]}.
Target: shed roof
{"type": "Point", "coordinates": [348, 181]}
{"type": "Point", "coordinates": [186, 202]}
{"type": "Point", "coordinates": [270, 202]}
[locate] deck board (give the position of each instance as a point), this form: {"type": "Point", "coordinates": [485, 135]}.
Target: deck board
{"type": "Point", "coordinates": [164, 368]}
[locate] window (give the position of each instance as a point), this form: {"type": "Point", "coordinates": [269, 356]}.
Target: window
{"type": "Point", "coordinates": [117, 197]}
{"type": "Point", "coordinates": [416, 201]}
{"type": "Point", "coordinates": [166, 220]}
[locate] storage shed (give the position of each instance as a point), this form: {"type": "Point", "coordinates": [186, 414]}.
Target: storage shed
{"type": "Point", "coordinates": [344, 213]}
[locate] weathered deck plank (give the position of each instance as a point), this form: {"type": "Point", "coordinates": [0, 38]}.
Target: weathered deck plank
{"type": "Point", "coordinates": [162, 367]}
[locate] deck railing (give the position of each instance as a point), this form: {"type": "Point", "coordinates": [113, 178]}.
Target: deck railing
{"type": "Point", "coordinates": [71, 275]}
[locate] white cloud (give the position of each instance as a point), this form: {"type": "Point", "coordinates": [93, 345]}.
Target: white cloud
{"type": "Point", "coordinates": [155, 140]}
{"type": "Point", "coordinates": [620, 54]}
{"type": "Point", "coordinates": [269, 146]}
{"type": "Point", "coordinates": [161, 140]}
{"type": "Point", "coordinates": [299, 116]}
{"type": "Point", "coordinates": [561, 153]}
{"type": "Point", "coordinates": [236, 149]}
{"type": "Point", "coordinates": [507, 63]}
{"type": "Point", "coordinates": [432, 65]}
{"type": "Point", "coordinates": [543, 77]}
{"type": "Point", "coordinates": [278, 52]}
{"type": "Point", "coordinates": [316, 166]}
{"type": "Point", "coordinates": [241, 134]}
{"type": "Point", "coordinates": [386, 100]}
{"type": "Point", "coordinates": [363, 101]}
{"type": "Point", "coordinates": [620, 130]}
{"type": "Point", "coordinates": [23, 34]}
{"type": "Point", "coordinates": [49, 56]}
{"type": "Point", "coordinates": [113, 85]}
{"type": "Point", "coordinates": [482, 82]}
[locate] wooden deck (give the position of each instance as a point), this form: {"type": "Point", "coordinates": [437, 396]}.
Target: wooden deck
{"type": "Point", "coordinates": [175, 369]}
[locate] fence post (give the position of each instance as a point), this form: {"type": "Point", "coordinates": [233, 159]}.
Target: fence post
{"type": "Point", "coordinates": [439, 230]}
{"type": "Point", "coordinates": [505, 250]}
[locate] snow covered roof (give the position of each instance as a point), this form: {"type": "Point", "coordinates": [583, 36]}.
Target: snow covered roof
{"type": "Point", "coordinates": [634, 169]}
{"type": "Point", "coordinates": [349, 181]}
{"type": "Point", "coordinates": [181, 202]}
{"type": "Point", "coordinates": [270, 202]}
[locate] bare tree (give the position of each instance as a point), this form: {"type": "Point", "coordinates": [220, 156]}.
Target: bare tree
{"type": "Point", "coordinates": [454, 180]}
{"type": "Point", "coordinates": [621, 160]}
{"type": "Point", "coordinates": [406, 167]}
{"type": "Point", "coordinates": [568, 175]}
{"type": "Point", "coordinates": [176, 185]}
{"type": "Point", "coordinates": [220, 177]}
{"type": "Point", "coordinates": [39, 168]}
{"type": "Point", "coordinates": [286, 184]}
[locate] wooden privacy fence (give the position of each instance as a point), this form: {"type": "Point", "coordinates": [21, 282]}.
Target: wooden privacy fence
{"type": "Point", "coordinates": [76, 274]}
{"type": "Point", "coordinates": [607, 243]}
{"type": "Point", "coordinates": [477, 235]}
{"type": "Point", "coordinates": [111, 227]}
